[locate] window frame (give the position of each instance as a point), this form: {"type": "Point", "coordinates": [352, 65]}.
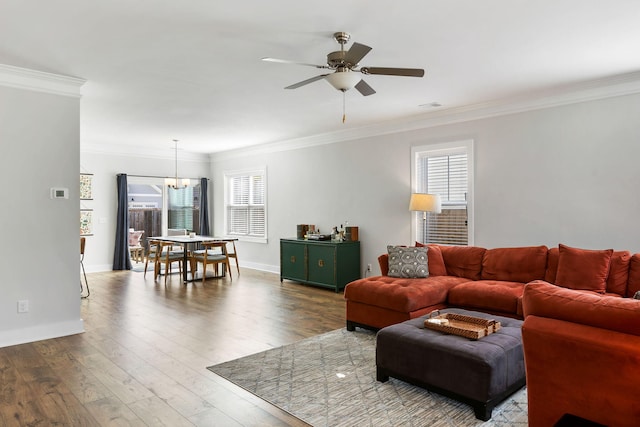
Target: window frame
{"type": "Point", "coordinates": [228, 176]}
{"type": "Point", "coordinates": [444, 149]}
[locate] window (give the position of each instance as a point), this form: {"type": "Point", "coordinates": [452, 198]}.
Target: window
{"type": "Point", "coordinates": [445, 169]}
{"type": "Point", "coordinates": [245, 204]}
{"type": "Point", "coordinates": [184, 208]}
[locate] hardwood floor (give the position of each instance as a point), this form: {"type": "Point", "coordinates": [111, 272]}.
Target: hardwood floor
{"type": "Point", "coordinates": [142, 360]}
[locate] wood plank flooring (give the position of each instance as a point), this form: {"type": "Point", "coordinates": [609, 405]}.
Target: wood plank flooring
{"type": "Point", "coordinates": [142, 360]}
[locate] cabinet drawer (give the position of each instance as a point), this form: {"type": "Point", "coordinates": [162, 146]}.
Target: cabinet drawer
{"type": "Point", "coordinates": [322, 264]}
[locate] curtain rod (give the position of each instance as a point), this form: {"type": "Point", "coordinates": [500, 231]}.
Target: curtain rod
{"type": "Point", "coordinates": [159, 177]}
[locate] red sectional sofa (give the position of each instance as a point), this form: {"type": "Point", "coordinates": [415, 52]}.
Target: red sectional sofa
{"type": "Point", "coordinates": [488, 280]}
{"type": "Point", "coordinates": [582, 355]}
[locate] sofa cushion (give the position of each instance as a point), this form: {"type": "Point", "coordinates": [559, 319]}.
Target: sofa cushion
{"type": "Point", "coordinates": [407, 261]}
{"type": "Point", "coordinates": [619, 273]}
{"type": "Point", "coordinates": [383, 262]}
{"type": "Point", "coordinates": [583, 268]}
{"type": "Point", "coordinates": [400, 294]}
{"type": "Point", "coordinates": [587, 308]}
{"type": "Point", "coordinates": [463, 261]}
{"type": "Point", "coordinates": [436, 262]}
{"type": "Point", "coordinates": [633, 284]}
{"type": "Point", "coordinates": [552, 265]}
{"type": "Point", "coordinates": [491, 295]}
{"type": "Point", "coordinates": [522, 264]}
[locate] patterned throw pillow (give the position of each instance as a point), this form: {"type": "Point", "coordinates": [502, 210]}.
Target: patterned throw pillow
{"type": "Point", "coordinates": [408, 261]}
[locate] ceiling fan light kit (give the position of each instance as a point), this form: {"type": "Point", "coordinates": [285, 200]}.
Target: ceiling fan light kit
{"type": "Point", "coordinates": [343, 80]}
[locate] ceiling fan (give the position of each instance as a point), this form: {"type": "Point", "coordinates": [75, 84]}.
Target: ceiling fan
{"type": "Point", "coordinates": [345, 66]}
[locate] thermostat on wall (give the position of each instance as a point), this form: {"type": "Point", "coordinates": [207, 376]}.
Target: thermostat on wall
{"type": "Point", "coordinates": [59, 193]}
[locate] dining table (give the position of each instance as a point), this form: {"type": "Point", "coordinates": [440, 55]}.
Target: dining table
{"type": "Point", "coordinates": [189, 240]}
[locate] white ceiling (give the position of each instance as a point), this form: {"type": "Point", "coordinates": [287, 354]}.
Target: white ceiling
{"type": "Point", "coordinates": [159, 70]}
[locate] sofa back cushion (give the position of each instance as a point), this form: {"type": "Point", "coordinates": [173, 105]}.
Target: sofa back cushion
{"type": "Point", "coordinates": [522, 264]}
{"type": "Point", "coordinates": [619, 273]}
{"type": "Point", "coordinates": [552, 265]}
{"type": "Point", "coordinates": [601, 311]}
{"type": "Point", "coordinates": [583, 268]}
{"type": "Point", "coordinates": [436, 262]}
{"type": "Point", "coordinates": [383, 261]}
{"type": "Point", "coordinates": [634, 275]}
{"type": "Point", "coordinates": [463, 261]}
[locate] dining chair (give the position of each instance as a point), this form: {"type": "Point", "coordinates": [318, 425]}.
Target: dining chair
{"type": "Point", "coordinates": [213, 253]}
{"type": "Point", "coordinates": [151, 255]}
{"type": "Point", "coordinates": [234, 254]}
{"type": "Point", "coordinates": [162, 255]}
{"type": "Point", "coordinates": [136, 250]}
{"type": "Point", "coordinates": [84, 273]}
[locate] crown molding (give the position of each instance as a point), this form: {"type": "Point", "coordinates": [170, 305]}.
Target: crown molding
{"type": "Point", "coordinates": [132, 150]}
{"type": "Point", "coordinates": [619, 85]}
{"type": "Point", "coordinates": [39, 81]}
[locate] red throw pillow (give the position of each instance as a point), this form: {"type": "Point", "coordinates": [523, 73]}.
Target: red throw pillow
{"type": "Point", "coordinates": [583, 269]}
{"type": "Point", "coordinates": [436, 262]}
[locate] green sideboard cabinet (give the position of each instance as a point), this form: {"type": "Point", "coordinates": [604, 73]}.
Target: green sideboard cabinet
{"type": "Point", "coordinates": [320, 263]}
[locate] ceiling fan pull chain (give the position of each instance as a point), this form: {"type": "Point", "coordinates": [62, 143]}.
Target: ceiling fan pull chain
{"type": "Point", "coordinates": [344, 106]}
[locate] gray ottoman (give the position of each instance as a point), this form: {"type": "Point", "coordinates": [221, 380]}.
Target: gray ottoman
{"type": "Point", "coordinates": [481, 373]}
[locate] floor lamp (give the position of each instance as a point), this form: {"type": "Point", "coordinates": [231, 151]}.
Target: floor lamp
{"type": "Point", "coordinates": [425, 203]}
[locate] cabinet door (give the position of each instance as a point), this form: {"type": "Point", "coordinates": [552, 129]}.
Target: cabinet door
{"type": "Point", "coordinates": [322, 264]}
{"type": "Point", "coordinates": [292, 262]}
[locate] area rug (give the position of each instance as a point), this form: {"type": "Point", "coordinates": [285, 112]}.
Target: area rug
{"type": "Point", "coordinates": [330, 380]}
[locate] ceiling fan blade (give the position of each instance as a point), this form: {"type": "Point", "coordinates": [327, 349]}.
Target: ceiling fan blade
{"type": "Point", "coordinates": [356, 53]}
{"type": "Point", "coordinates": [364, 88]}
{"type": "Point", "coordinates": [407, 72]}
{"type": "Point", "coordinates": [306, 82]}
{"type": "Point", "coordinates": [285, 61]}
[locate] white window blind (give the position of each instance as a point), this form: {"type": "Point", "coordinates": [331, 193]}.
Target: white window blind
{"type": "Point", "coordinates": [246, 204]}
{"type": "Point", "coordinates": [444, 172]}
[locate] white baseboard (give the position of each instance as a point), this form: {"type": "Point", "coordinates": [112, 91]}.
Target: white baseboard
{"type": "Point", "coordinates": [41, 332]}
{"type": "Point", "coordinates": [261, 267]}
{"type": "Point", "coordinates": [98, 268]}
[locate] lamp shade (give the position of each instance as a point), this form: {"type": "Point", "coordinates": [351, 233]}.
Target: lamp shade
{"type": "Point", "coordinates": [425, 203]}
{"type": "Point", "coordinates": [343, 80]}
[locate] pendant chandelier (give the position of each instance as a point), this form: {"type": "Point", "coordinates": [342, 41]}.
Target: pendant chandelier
{"type": "Point", "coordinates": [176, 183]}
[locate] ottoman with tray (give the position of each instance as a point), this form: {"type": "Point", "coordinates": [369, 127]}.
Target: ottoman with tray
{"type": "Point", "coordinates": [481, 372]}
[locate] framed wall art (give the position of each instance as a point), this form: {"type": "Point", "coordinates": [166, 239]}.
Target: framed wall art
{"type": "Point", "coordinates": [86, 222]}
{"type": "Point", "coordinates": [85, 186]}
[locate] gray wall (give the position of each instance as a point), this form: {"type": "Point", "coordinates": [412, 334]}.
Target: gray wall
{"type": "Point", "coordinates": [40, 134]}
{"type": "Point", "coordinates": [557, 175]}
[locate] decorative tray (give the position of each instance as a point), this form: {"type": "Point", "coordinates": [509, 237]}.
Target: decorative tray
{"type": "Point", "coordinates": [462, 325]}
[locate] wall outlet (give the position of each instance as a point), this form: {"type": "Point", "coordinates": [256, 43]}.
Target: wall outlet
{"type": "Point", "coordinates": [23, 306]}
{"type": "Point", "coordinates": [368, 267]}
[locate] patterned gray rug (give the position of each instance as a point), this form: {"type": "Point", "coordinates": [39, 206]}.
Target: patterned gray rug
{"type": "Point", "coordinates": [330, 380]}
